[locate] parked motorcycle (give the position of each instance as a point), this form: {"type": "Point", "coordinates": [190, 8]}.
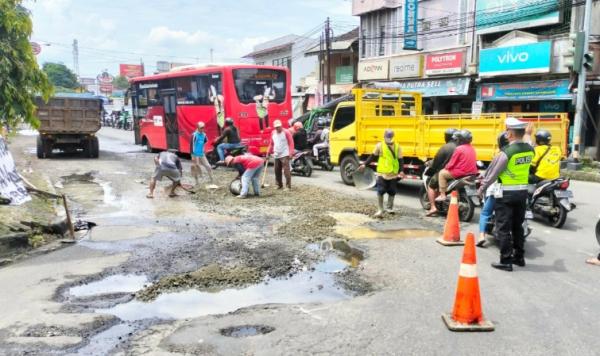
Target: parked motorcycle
{"type": "Point", "coordinates": [322, 160]}
{"type": "Point", "coordinates": [302, 164]}
{"type": "Point", "coordinates": [550, 199]}
{"type": "Point", "coordinates": [465, 187]}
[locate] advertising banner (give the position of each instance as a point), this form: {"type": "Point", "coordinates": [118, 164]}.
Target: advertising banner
{"type": "Point", "coordinates": [411, 15]}
{"type": "Point", "coordinates": [11, 184]}
{"type": "Point", "coordinates": [406, 66]}
{"type": "Point", "coordinates": [541, 90]}
{"type": "Point", "coordinates": [373, 69]}
{"type": "Point", "coordinates": [444, 63]}
{"type": "Point", "coordinates": [505, 15]}
{"type": "Point", "coordinates": [522, 59]}
{"type": "Point", "coordinates": [344, 75]}
{"type": "Point", "coordinates": [431, 87]}
{"type": "Point", "coordinates": [131, 70]}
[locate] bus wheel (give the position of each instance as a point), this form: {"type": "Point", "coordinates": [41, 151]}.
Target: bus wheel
{"type": "Point", "coordinates": [149, 148]}
{"type": "Point", "coordinates": [348, 166]}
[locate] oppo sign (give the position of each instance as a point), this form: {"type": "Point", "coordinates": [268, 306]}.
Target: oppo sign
{"type": "Point", "coordinates": [522, 59]}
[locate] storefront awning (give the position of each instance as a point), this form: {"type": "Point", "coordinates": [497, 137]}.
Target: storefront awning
{"type": "Point", "coordinates": [429, 87]}
{"type": "Point", "coordinates": [519, 91]}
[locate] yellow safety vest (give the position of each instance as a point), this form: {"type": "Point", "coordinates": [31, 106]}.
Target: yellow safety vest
{"type": "Point", "coordinates": [388, 161]}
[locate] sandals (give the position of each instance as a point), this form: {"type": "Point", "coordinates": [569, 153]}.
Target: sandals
{"type": "Point", "coordinates": [432, 213]}
{"type": "Point", "coordinates": [593, 261]}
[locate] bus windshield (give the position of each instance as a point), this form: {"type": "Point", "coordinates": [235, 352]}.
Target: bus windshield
{"type": "Point", "coordinates": [255, 84]}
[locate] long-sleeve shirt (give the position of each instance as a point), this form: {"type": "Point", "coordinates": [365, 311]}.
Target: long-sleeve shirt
{"type": "Point", "coordinates": [248, 161]}
{"type": "Point", "coordinates": [497, 166]}
{"type": "Point", "coordinates": [463, 161]}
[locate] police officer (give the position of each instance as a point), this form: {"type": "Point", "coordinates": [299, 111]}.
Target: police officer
{"type": "Point", "coordinates": [511, 169]}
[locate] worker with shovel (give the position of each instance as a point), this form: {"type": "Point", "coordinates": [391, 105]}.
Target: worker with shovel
{"type": "Point", "coordinates": [167, 165]}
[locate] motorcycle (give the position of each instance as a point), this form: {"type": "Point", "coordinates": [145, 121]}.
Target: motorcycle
{"type": "Point", "coordinates": [550, 199]}
{"type": "Point", "coordinates": [302, 164]}
{"type": "Point", "coordinates": [322, 160]}
{"type": "Point", "coordinates": [465, 187]}
{"type": "Point", "coordinates": [213, 156]}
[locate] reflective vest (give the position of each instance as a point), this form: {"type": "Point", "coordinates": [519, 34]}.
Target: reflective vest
{"type": "Point", "coordinates": [388, 162]}
{"type": "Point", "coordinates": [520, 155]}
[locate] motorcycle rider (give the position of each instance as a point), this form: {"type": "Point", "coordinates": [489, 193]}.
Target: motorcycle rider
{"type": "Point", "coordinates": [323, 142]}
{"type": "Point", "coordinates": [511, 169]}
{"type": "Point", "coordinates": [462, 163]}
{"type": "Point", "coordinates": [231, 135]}
{"type": "Point", "coordinates": [389, 165]}
{"type": "Point", "coordinates": [440, 160]}
{"type": "Point", "coordinates": [300, 137]}
{"type": "Point", "coordinates": [546, 162]}
{"type": "Point", "coordinates": [489, 200]}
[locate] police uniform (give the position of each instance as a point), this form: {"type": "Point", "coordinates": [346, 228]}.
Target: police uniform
{"type": "Point", "coordinates": [511, 204]}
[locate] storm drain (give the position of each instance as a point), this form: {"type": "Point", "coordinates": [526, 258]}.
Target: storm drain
{"type": "Point", "coordinates": [246, 330]}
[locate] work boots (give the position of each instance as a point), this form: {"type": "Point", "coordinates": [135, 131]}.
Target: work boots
{"type": "Point", "coordinates": [380, 209]}
{"type": "Point", "coordinates": [390, 205]}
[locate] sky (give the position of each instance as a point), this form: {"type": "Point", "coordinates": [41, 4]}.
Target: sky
{"type": "Point", "coordinates": [110, 32]}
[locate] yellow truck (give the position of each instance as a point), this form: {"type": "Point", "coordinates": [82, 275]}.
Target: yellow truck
{"type": "Point", "coordinates": [358, 125]}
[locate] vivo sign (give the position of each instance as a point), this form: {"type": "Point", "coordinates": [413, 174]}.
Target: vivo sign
{"type": "Point", "coordinates": [522, 59]}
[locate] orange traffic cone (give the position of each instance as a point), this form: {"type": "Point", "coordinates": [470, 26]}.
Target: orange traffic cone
{"type": "Point", "coordinates": [452, 228]}
{"type": "Point", "coordinates": [467, 314]}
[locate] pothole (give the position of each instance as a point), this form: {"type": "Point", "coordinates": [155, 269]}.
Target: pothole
{"type": "Point", "coordinates": [110, 285]}
{"type": "Point", "coordinates": [246, 330]}
{"type": "Point", "coordinates": [358, 226]}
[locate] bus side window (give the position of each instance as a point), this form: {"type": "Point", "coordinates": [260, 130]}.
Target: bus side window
{"type": "Point", "coordinates": [204, 87]}
{"type": "Point", "coordinates": [343, 117]}
{"type": "Point", "coordinates": [187, 90]}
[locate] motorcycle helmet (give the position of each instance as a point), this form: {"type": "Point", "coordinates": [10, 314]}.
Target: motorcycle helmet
{"type": "Point", "coordinates": [449, 134]}
{"type": "Point", "coordinates": [228, 121]}
{"type": "Point", "coordinates": [543, 137]}
{"type": "Point", "coordinates": [465, 137]}
{"type": "Point", "coordinates": [502, 140]}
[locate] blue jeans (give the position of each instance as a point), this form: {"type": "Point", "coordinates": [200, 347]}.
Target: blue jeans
{"type": "Point", "coordinates": [226, 146]}
{"type": "Point", "coordinates": [251, 175]}
{"type": "Point", "coordinates": [486, 212]}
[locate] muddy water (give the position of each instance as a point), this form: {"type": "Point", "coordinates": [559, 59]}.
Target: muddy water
{"type": "Point", "coordinates": [359, 226]}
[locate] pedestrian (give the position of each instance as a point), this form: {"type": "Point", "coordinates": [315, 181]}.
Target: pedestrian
{"type": "Point", "coordinates": [199, 160]}
{"type": "Point", "coordinates": [510, 168]}
{"type": "Point", "coordinates": [229, 139]}
{"type": "Point", "coordinates": [462, 163]}
{"type": "Point", "coordinates": [167, 165]}
{"type": "Point", "coordinates": [282, 148]}
{"type": "Point", "coordinates": [439, 161]}
{"type": "Point", "coordinates": [250, 168]}
{"type": "Point", "coordinates": [389, 163]}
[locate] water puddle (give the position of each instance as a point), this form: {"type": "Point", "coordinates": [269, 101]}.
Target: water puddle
{"type": "Point", "coordinates": [246, 330]}
{"type": "Point", "coordinates": [346, 253]}
{"type": "Point", "coordinates": [124, 232]}
{"type": "Point", "coordinates": [358, 227]}
{"type": "Point", "coordinates": [109, 285]}
{"type": "Point", "coordinates": [87, 191]}
{"type": "Point", "coordinates": [106, 341]}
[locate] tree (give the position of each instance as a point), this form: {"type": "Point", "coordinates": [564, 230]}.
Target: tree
{"type": "Point", "coordinates": [60, 75]}
{"type": "Point", "coordinates": [120, 82]}
{"type": "Point", "coordinates": [20, 76]}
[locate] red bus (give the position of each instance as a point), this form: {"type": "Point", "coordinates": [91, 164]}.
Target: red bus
{"type": "Point", "coordinates": [168, 106]}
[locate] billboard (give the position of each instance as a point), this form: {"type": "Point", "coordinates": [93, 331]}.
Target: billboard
{"type": "Point", "coordinates": [522, 59]}
{"type": "Point", "coordinates": [131, 70]}
{"type": "Point", "coordinates": [411, 14]}
{"type": "Point", "coordinates": [444, 63]}
{"type": "Point", "coordinates": [506, 15]}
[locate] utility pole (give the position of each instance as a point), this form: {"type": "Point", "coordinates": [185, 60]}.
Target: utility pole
{"type": "Point", "coordinates": [579, 106]}
{"type": "Point", "coordinates": [211, 55]}
{"type": "Point", "coordinates": [328, 49]}
{"type": "Point", "coordinates": [76, 57]}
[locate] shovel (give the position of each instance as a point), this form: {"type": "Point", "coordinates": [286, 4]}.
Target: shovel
{"type": "Point", "coordinates": [365, 179]}
{"type": "Point", "coordinates": [263, 184]}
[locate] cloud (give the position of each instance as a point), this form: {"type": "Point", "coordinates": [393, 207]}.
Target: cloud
{"type": "Point", "coordinates": [162, 35]}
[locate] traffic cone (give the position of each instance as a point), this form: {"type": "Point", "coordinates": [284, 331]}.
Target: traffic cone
{"type": "Point", "coordinates": [467, 314]}
{"type": "Point", "coordinates": [452, 228]}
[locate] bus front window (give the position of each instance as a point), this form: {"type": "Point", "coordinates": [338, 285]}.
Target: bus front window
{"type": "Point", "coordinates": [252, 84]}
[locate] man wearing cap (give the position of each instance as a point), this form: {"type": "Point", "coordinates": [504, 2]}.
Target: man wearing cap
{"type": "Point", "coordinates": [389, 164]}
{"type": "Point", "coordinates": [198, 157]}
{"type": "Point", "coordinates": [511, 169]}
{"type": "Point", "coordinates": [282, 148]}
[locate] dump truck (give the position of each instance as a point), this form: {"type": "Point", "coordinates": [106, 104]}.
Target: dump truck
{"type": "Point", "coordinates": [69, 122]}
{"type": "Point", "coordinates": [358, 125]}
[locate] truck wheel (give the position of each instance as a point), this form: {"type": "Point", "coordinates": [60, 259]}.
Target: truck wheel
{"type": "Point", "coordinates": [94, 147]}
{"type": "Point", "coordinates": [348, 165]}
{"type": "Point", "coordinates": [41, 153]}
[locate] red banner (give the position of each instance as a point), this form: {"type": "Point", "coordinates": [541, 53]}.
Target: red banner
{"type": "Point", "coordinates": [131, 70]}
{"type": "Point", "coordinates": [444, 63]}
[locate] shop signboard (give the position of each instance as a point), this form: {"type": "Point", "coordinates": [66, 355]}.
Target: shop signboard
{"type": "Point", "coordinates": [444, 63]}
{"type": "Point", "coordinates": [506, 15]}
{"type": "Point", "coordinates": [411, 15]}
{"type": "Point", "coordinates": [521, 59]}
{"type": "Point", "coordinates": [131, 70]}
{"type": "Point", "coordinates": [373, 69]}
{"type": "Point", "coordinates": [344, 75]}
{"type": "Point", "coordinates": [476, 107]}
{"type": "Point", "coordinates": [431, 87]}
{"type": "Point", "coordinates": [540, 90]}
{"type": "Point", "coordinates": [406, 66]}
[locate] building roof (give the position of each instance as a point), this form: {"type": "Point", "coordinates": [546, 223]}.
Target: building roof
{"type": "Point", "coordinates": [340, 43]}
{"type": "Point", "coordinates": [263, 52]}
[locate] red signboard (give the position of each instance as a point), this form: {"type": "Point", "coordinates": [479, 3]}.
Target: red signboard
{"type": "Point", "coordinates": [36, 48]}
{"type": "Point", "coordinates": [131, 70]}
{"type": "Point", "coordinates": [106, 87]}
{"type": "Point", "coordinates": [444, 63]}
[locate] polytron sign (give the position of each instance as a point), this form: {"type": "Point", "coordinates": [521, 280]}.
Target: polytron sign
{"type": "Point", "coordinates": [444, 63]}
{"type": "Point", "coordinates": [522, 59]}
{"type": "Point", "coordinates": [373, 69]}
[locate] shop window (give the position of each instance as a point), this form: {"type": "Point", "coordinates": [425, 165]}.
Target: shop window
{"type": "Point", "coordinates": [444, 21]}
{"type": "Point", "coordinates": [382, 41]}
{"type": "Point", "coordinates": [345, 61]}
{"type": "Point", "coordinates": [363, 49]}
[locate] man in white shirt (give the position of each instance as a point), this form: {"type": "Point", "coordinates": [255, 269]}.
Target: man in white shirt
{"type": "Point", "coordinates": [282, 148]}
